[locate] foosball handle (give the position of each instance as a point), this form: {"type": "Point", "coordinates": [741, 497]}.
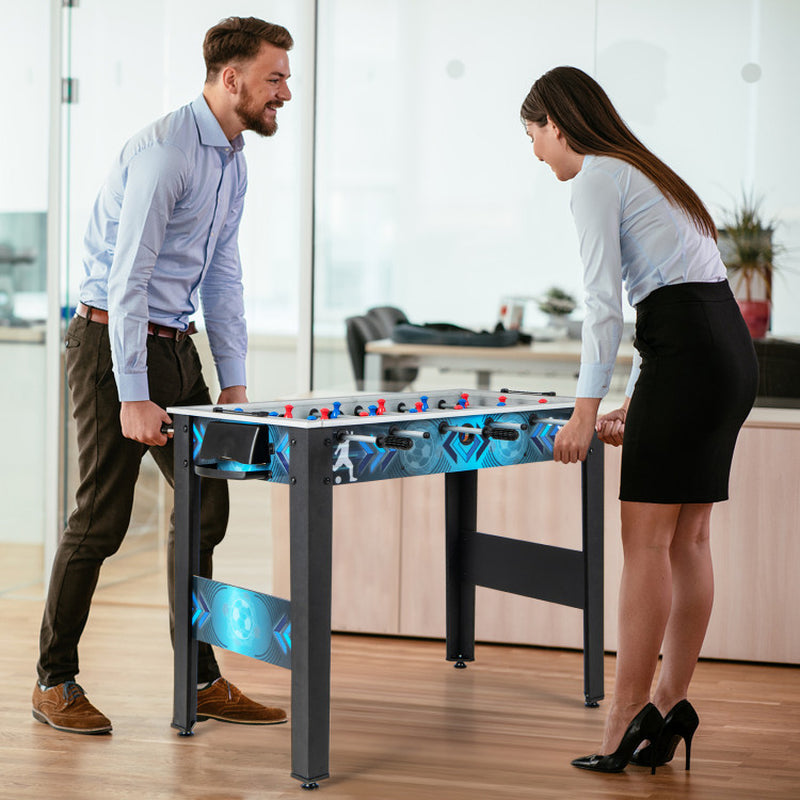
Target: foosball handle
{"type": "Point", "coordinates": [394, 442]}
{"type": "Point", "coordinates": [504, 434]}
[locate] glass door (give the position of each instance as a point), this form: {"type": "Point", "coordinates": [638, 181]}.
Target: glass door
{"type": "Point", "coordinates": [129, 70]}
{"type": "Point", "coordinates": [23, 297]}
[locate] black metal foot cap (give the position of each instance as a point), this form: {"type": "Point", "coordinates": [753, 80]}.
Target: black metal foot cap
{"type": "Point", "coordinates": [592, 704]}
{"type": "Point", "coordinates": [309, 786]}
{"type": "Point", "coordinates": [460, 664]}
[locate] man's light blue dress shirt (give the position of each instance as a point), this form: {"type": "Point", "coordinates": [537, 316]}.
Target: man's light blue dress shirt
{"type": "Point", "coordinates": [630, 236]}
{"type": "Point", "coordinates": [163, 232]}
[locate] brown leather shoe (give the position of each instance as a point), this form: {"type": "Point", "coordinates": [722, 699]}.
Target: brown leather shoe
{"type": "Point", "coordinates": [65, 708]}
{"type": "Point", "coordinates": [223, 701]}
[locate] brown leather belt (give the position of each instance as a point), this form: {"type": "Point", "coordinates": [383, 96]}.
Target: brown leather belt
{"type": "Point", "coordinates": [99, 315]}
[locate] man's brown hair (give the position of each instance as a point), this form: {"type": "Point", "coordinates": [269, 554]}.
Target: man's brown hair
{"type": "Point", "coordinates": [240, 39]}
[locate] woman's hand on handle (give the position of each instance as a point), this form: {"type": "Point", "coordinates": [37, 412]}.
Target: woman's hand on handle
{"type": "Point", "coordinates": [573, 440]}
{"type": "Point", "coordinates": [611, 426]}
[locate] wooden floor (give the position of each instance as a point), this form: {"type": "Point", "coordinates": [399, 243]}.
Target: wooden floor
{"type": "Point", "coordinates": [405, 724]}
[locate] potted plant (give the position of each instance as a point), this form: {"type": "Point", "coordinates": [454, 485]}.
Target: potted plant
{"type": "Point", "coordinates": [557, 304]}
{"type": "Point", "coordinates": [748, 251]}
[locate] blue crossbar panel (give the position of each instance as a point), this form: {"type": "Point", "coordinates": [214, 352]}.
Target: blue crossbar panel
{"type": "Point", "coordinates": [246, 622]}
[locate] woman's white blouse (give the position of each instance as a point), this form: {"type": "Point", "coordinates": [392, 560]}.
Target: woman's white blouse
{"type": "Point", "coordinates": [630, 235]}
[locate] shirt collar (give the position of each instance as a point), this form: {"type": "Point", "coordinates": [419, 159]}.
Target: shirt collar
{"type": "Point", "coordinates": [211, 134]}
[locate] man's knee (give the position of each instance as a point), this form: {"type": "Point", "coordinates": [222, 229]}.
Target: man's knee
{"type": "Point", "coordinates": [95, 544]}
{"type": "Point", "coordinates": [214, 512]}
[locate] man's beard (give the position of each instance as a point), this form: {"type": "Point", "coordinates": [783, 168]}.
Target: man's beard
{"type": "Point", "coordinates": [252, 117]}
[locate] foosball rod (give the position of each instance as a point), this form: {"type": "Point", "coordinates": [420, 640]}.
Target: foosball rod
{"type": "Point", "coordinates": [547, 421]}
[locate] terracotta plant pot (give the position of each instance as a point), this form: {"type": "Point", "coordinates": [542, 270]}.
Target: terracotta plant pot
{"type": "Point", "coordinates": [756, 316]}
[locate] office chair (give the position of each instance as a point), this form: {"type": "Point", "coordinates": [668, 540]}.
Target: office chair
{"type": "Point", "coordinates": [377, 323]}
{"type": "Point", "coordinates": [385, 318]}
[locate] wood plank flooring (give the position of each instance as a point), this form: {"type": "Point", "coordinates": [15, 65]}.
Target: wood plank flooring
{"type": "Point", "coordinates": [405, 724]}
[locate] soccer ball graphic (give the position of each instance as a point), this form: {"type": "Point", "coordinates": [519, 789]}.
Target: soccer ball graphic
{"type": "Point", "coordinates": [241, 619]}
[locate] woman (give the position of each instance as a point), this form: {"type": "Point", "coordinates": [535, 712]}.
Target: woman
{"type": "Point", "coordinates": [692, 384]}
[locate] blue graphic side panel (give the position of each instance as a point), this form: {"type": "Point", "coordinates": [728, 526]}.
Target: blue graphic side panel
{"type": "Point", "coordinates": [443, 450]}
{"type": "Point", "coordinates": [246, 622]}
{"type": "Point", "coordinates": [280, 457]}
{"type": "Point", "coordinates": [434, 448]}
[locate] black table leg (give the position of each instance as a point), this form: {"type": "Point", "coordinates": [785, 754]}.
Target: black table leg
{"type": "Point", "coordinates": [592, 477]}
{"type": "Point", "coordinates": [461, 514]}
{"type": "Point", "coordinates": [187, 564]}
{"type": "Point", "coordinates": [310, 508]}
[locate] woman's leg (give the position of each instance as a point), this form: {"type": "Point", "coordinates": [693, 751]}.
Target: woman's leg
{"type": "Point", "coordinates": [692, 598]}
{"type": "Point", "coordinates": [644, 607]}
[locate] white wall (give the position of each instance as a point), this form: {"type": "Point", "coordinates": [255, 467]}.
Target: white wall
{"type": "Point", "coordinates": [134, 68]}
{"type": "Point", "coordinates": [24, 43]}
{"type": "Point", "coordinates": [428, 195]}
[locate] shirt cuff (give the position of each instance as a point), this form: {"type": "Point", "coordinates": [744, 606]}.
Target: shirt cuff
{"type": "Point", "coordinates": [594, 380]}
{"type": "Point", "coordinates": [132, 387]}
{"type": "Point", "coordinates": [231, 372]}
{"type": "Point", "coordinates": [636, 368]}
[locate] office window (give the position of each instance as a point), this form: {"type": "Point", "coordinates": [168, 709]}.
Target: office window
{"type": "Point", "coordinates": [428, 196]}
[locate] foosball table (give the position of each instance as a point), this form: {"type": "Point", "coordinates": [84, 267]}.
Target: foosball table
{"type": "Point", "coordinates": [314, 445]}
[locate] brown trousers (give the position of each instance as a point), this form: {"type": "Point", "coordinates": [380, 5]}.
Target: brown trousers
{"type": "Point", "coordinates": [108, 465]}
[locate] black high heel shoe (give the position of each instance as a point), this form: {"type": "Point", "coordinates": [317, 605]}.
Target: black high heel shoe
{"type": "Point", "coordinates": [647, 724]}
{"type": "Point", "coordinates": [680, 723]}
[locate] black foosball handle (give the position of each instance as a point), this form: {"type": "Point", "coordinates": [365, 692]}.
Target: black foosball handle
{"type": "Point", "coordinates": [504, 434]}
{"type": "Point", "coordinates": [394, 442]}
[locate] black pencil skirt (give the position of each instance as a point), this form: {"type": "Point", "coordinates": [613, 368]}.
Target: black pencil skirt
{"type": "Point", "coordinates": [697, 385]}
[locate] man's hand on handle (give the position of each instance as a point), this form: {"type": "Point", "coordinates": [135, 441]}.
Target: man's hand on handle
{"type": "Point", "coordinates": [141, 420]}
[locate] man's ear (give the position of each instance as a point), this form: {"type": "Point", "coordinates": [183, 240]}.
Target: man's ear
{"type": "Point", "coordinates": [230, 79]}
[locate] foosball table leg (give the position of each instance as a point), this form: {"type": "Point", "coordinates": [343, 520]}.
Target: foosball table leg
{"type": "Point", "coordinates": [461, 509]}
{"type": "Point", "coordinates": [592, 477]}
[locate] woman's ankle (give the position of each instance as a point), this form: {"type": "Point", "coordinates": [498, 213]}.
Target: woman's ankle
{"type": "Point", "coordinates": [667, 701]}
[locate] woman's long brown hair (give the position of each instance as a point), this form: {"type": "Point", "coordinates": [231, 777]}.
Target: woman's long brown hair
{"type": "Point", "coordinates": [580, 108]}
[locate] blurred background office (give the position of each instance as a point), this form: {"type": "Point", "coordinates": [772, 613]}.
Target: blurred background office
{"type": "Point", "coordinates": [400, 176]}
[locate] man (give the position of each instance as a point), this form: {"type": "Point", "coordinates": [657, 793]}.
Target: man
{"type": "Point", "coordinates": [163, 230]}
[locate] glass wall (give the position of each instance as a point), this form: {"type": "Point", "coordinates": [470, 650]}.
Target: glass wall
{"type": "Point", "coordinates": [151, 63]}
{"type": "Point", "coordinates": [131, 69]}
{"type": "Point", "coordinates": [23, 295]}
{"type": "Point", "coordinates": [428, 195]}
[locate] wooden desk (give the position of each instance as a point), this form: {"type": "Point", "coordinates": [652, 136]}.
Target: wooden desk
{"type": "Point", "coordinates": [562, 357]}
{"type": "Point", "coordinates": [32, 334]}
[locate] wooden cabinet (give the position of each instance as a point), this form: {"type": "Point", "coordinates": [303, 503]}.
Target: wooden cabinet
{"type": "Point", "coordinates": [388, 550]}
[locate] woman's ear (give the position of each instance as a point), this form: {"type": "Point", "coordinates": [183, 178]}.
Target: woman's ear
{"type": "Point", "coordinates": [555, 128]}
